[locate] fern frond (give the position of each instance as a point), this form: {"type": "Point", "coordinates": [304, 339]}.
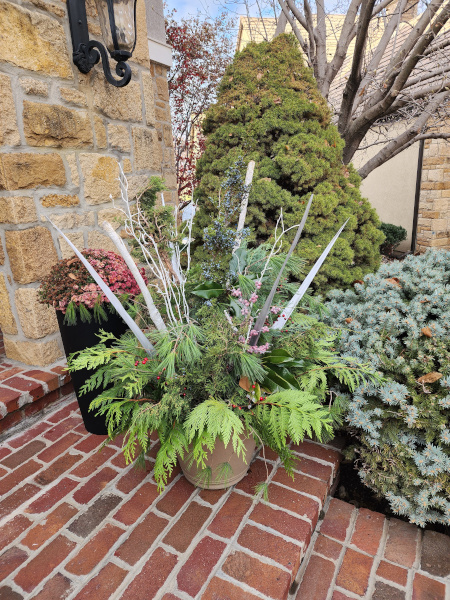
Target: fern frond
{"type": "Point", "coordinates": [263, 487]}
{"type": "Point", "coordinates": [215, 418]}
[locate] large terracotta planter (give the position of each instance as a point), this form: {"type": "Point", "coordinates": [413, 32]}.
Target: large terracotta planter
{"type": "Point", "coordinates": [221, 454]}
{"type": "Point", "coordinates": [78, 337]}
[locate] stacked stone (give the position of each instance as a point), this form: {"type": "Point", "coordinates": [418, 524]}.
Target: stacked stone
{"type": "Point", "coordinates": [62, 137]}
{"type": "Point", "coordinates": [433, 225]}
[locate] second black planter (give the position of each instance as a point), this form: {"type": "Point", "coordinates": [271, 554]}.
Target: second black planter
{"type": "Point", "coordinates": [78, 337]}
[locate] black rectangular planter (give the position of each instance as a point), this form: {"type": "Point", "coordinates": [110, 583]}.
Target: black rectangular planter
{"type": "Point", "coordinates": [78, 337]}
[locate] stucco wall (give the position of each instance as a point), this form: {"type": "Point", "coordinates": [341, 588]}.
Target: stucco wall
{"type": "Point", "coordinates": [391, 187]}
{"type": "Point", "coordinates": [62, 137]}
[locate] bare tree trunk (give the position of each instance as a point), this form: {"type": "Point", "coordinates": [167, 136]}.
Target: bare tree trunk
{"type": "Point", "coordinates": [281, 24]}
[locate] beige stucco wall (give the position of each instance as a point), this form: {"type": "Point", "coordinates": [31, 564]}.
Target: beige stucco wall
{"type": "Point", "coordinates": [391, 187]}
{"type": "Point", "coordinates": [62, 137]}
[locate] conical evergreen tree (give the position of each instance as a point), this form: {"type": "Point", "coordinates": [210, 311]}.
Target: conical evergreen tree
{"type": "Point", "coordinates": [269, 110]}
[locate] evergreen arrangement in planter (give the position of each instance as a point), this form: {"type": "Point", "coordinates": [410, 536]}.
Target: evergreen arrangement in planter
{"type": "Point", "coordinates": [230, 362]}
{"type": "Point", "coordinates": [399, 321]}
{"type": "Point", "coordinates": [269, 110]}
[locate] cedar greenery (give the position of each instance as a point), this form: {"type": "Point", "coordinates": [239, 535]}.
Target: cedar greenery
{"type": "Point", "coordinates": [269, 110]}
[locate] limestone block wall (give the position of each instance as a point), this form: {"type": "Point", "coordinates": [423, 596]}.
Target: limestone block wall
{"type": "Point", "coordinates": [62, 137]}
{"type": "Point", "coordinates": [433, 225]}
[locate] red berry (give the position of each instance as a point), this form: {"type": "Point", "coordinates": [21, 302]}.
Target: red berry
{"type": "Point", "coordinates": [253, 386]}
{"type": "Point", "coordinates": [240, 407]}
{"type": "Point", "coordinates": [261, 398]}
{"type": "Point", "coordinates": [158, 377]}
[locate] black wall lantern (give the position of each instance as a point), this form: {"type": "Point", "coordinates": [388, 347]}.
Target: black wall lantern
{"type": "Point", "coordinates": [118, 24]}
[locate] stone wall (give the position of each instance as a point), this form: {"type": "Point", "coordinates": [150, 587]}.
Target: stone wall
{"type": "Point", "coordinates": [62, 137]}
{"type": "Point", "coordinates": [433, 225]}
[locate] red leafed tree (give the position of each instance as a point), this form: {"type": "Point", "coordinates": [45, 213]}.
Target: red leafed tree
{"type": "Point", "coordinates": [202, 47]}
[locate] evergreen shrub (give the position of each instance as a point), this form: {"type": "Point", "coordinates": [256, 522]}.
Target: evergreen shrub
{"type": "Point", "coordinates": [394, 235]}
{"type": "Point", "coordinates": [269, 110]}
{"type": "Point", "coordinates": [399, 321]}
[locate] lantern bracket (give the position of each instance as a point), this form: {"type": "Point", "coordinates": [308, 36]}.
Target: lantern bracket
{"type": "Point", "coordinates": [87, 53]}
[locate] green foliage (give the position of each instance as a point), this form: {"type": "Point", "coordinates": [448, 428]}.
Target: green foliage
{"type": "Point", "coordinates": [269, 110]}
{"type": "Point", "coordinates": [156, 220]}
{"type": "Point", "coordinates": [220, 236]}
{"type": "Point", "coordinates": [399, 321]}
{"type": "Point", "coordinates": [394, 234]}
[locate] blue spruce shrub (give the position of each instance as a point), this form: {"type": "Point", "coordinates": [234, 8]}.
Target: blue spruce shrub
{"type": "Point", "coordinates": [399, 320]}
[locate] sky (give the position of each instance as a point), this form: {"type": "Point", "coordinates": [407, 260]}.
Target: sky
{"type": "Point", "coordinates": [213, 7]}
{"type": "Point", "coordinates": [190, 7]}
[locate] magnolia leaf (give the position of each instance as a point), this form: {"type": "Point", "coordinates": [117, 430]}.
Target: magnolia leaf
{"type": "Point", "coordinates": [430, 377]}
{"type": "Point", "coordinates": [277, 357]}
{"type": "Point", "coordinates": [348, 320]}
{"type": "Point", "coordinates": [208, 290]}
{"type": "Point", "coordinates": [279, 379]}
{"type": "Point", "coordinates": [72, 276]}
{"type": "Point", "coordinates": [426, 331]}
{"type": "Point", "coordinates": [244, 383]}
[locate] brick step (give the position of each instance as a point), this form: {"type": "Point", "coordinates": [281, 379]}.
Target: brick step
{"type": "Point", "coordinates": [25, 390]}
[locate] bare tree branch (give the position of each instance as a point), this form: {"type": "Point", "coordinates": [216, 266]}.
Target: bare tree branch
{"type": "Point", "coordinates": [347, 34]}
{"type": "Point", "coordinates": [389, 63]}
{"type": "Point", "coordinates": [380, 50]}
{"type": "Point", "coordinates": [295, 29]}
{"type": "Point", "coordinates": [355, 74]}
{"type": "Point", "coordinates": [321, 43]}
{"type": "Point", "coordinates": [405, 139]}
{"type": "Point", "coordinates": [425, 76]}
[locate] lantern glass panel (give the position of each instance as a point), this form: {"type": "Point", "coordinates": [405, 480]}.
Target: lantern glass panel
{"type": "Point", "coordinates": [124, 24]}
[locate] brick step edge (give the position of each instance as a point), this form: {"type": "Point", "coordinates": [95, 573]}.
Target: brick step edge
{"type": "Point", "coordinates": [25, 391]}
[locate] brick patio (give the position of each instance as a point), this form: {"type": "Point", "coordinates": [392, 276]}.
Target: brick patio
{"type": "Point", "coordinates": [77, 523]}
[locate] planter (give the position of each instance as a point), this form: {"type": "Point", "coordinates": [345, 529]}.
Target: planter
{"type": "Point", "coordinates": [78, 337]}
{"type": "Point", "coordinates": [221, 454]}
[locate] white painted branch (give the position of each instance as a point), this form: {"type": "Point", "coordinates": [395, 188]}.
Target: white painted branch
{"type": "Point", "coordinates": [123, 250]}
{"type": "Point", "coordinates": [244, 204]}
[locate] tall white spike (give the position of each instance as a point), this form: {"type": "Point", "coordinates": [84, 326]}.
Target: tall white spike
{"type": "Point", "coordinates": [286, 312]}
